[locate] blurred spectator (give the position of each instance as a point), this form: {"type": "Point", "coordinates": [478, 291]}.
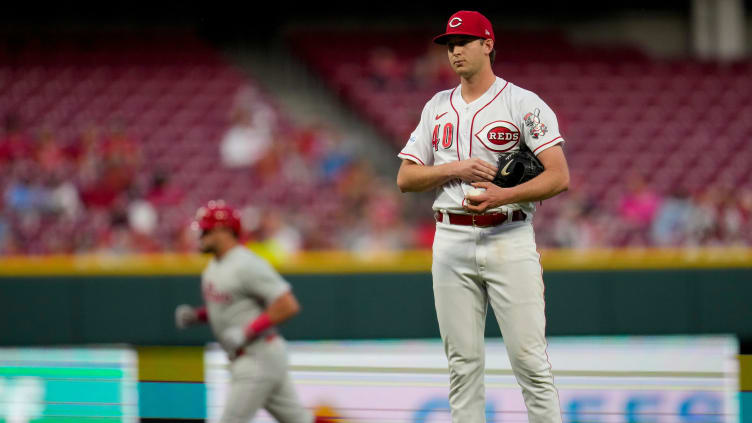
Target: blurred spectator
{"type": "Point", "coordinates": [64, 197]}
{"type": "Point", "coordinates": [115, 235]}
{"type": "Point", "coordinates": [108, 166]}
{"type": "Point", "coordinates": [671, 223]}
{"type": "Point", "coordinates": [123, 157]}
{"type": "Point", "coordinates": [15, 143]}
{"type": "Point", "coordinates": [249, 137]}
{"type": "Point", "coordinates": [162, 193]}
{"type": "Point", "coordinates": [730, 220]}
{"type": "Point", "coordinates": [282, 238]}
{"type": "Point", "coordinates": [142, 217]}
{"type": "Point", "coordinates": [269, 166]}
{"type": "Point", "coordinates": [324, 148]}
{"type": "Point", "coordinates": [381, 228]}
{"type": "Point", "coordinates": [336, 156]}
{"type": "Point", "coordinates": [87, 150]}
{"type": "Point", "coordinates": [570, 229]}
{"type": "Point", "coordinates": [23, 193]}
{"type": "Point", "coordinates": [703, 221]}
{"type": "Point", "coordinates": [249, 98]}
{"type": "Point", "coordinates": [640, 204]}
{"type": "Point", "coordinates": [49, 154]}
{"type": "Point", "coordinates": [101, 193]}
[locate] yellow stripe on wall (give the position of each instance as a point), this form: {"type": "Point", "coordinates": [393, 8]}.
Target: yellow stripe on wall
{"type": "Point", "coordinates": [647, 258]}
{"type": "Point", "coordinates": [170, 364]}
{"type": "Point", "coordinates": [103, 264]}
{"type": "Point", "coordinates": [745, 373]}
{"type": "Point", "coordinates": [322, 262]}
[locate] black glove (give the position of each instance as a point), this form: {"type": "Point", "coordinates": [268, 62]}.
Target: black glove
{"type": "Point", "coordinates": [516, 167]}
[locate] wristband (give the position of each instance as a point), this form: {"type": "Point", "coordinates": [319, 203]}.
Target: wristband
{"type": "Point", "coordinates": [258, 326]}
{"type": "Point", "coordinates": [201, 314]}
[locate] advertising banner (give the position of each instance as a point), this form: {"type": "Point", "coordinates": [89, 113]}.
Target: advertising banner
{"type": "Point", "coordinates": [62, 385]}
{"type": "Point", "coordinates": [608, 380]}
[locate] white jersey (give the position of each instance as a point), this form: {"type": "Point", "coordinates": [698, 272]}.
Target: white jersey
{"type": "Point", "coordinates": [238, 288]}
{"type": "Point", "coordinates": [500, 120]}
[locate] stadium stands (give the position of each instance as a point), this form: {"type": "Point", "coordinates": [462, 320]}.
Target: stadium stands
{"type": "Point", "coordinates": [681, 125]}
{"type": "Point", "coordinates": [111, 139]}
{"type": "Point", "coordinates": [127, 127]}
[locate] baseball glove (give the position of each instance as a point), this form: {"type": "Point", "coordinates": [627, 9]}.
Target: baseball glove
{"type": "Point", "coordinates": [516, 167]}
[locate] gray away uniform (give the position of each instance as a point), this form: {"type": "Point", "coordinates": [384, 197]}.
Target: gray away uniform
{"type": "Point", "coordinates": [237, 289]}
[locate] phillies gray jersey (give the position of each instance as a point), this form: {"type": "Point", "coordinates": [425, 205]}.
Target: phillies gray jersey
{"type": "Point", "coordinates": [237, 288]}
{"type": "Point", "coordinates": [498, 121]}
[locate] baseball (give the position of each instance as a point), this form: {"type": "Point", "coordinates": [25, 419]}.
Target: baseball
{"type": "Point", "coordinates": [474, 191]}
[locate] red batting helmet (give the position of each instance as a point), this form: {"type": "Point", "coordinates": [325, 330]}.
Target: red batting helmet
{"type": "Point", "coordinates": [217, 214]}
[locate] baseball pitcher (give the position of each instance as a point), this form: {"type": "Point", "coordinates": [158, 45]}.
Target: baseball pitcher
{"type": "Point", "coordinates": [487, 130]}
{"type": "Point", "coordinates": [245, 298]}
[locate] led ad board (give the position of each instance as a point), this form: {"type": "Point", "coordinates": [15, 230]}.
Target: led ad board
{"type": "Point", "coordinates": [608, 380]}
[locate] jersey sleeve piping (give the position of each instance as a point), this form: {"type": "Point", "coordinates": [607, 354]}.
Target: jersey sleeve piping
{"type": "Point", "coordinates": [411, 158]}
{"type": "Point", "coordinates": [547, 145]}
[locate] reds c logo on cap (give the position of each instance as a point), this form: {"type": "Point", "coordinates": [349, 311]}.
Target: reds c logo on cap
{"type": "Point", "coordinates": [467, 22]}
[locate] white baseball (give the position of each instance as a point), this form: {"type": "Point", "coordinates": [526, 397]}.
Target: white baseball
{"type": "Point", "coordinates": [474, 191]}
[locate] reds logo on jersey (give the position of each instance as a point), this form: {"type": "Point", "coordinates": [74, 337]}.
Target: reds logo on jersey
{"type": "Point", "coordinates": [533, 121]}
{"type": "Point", "coordinates": [499, 136]}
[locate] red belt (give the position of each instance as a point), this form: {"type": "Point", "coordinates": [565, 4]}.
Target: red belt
{"type": "Point", "coordinates": [482, 220]}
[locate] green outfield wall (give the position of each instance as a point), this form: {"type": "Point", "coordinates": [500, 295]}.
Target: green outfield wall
{"type": "Point", "coordinates": [138, 309]}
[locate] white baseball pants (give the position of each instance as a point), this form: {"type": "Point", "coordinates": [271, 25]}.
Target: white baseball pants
{"type": "Point", "coordinates": [499, 265]}
{"type": "Point", "coordinates": [260, 380]}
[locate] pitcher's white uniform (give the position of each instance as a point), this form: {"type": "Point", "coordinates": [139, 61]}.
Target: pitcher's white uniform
{"type": "Point", "coordinates": [237, 289]}
{"type": "Point", "coordinates": [473, 265]}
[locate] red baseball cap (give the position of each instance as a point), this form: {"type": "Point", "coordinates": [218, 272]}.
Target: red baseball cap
{"type": "Point", "coordinates": [467, 22]}
{"type": "Point", "coordinates": [218, 214]}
